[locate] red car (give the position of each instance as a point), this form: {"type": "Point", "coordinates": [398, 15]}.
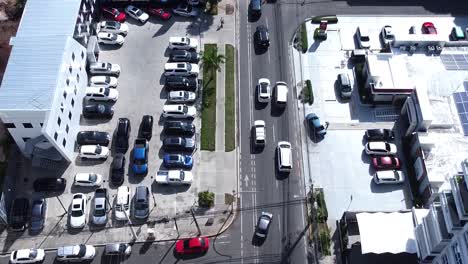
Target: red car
{"type": "Point", "coordinates": [428, 28]}
{"type": "Point", "coordinates": [192, 245]}
{"type": "Point", "coordinates": [113, 13]}
{"type": "Point", "coordinates": [386, 162]}
{"type": "Point", "coordinates": [159, 13]}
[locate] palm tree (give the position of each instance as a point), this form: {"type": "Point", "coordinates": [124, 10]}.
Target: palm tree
{"type": "Point", "coordinates": [212, 60]}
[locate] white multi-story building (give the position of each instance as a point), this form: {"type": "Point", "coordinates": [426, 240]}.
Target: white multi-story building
{"type": "Point", "coordinates": [43, 86]}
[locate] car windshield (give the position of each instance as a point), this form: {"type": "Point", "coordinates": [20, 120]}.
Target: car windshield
{"type": "Point", "coordinates": [101, 109]}
{"type": "Point", "coordinates": [108, 66]}
{"type": "Point", "coordinates": [77, 213]}
{"type": "Point", "coordinates": [263, 87]}
{"type": "Point", "coordinates": [82, 251]}
{"type": "Point", "coordinates": [106, 92]}
{"type": "Point", "coordinates": [186, 243]}
{"type": "Point", "coordinates": [113, 36]}
{"type": "Point", "coordinates": [185, 95]}
{"type": "Point", "coordinates": [189, 67]}
{"type": "Point", "coordinates": [99, 212]}
{"type": "Point", "coordinates": [140, 205]}
{"type": "Point", "coordinates": [107, 79]}
{"type": "Point", "coordinates": [92, 177]}
{"type": "Point", "coordinates": [139, 161]}
{"type": "Point", "coordinates": [98, 149]}
{"type": "Point", "coordinates": [138, 12]}
{"type": "Point", "coordinates": [364, 38]}
{"type": "Point", "coordinates": [174, 157]}
{"type": "Point", "coordinates": [33, 253]}
{"type": "Point", "coordinates": [113, 24]}
{"type": "Point", "coordinates": [185, 109]}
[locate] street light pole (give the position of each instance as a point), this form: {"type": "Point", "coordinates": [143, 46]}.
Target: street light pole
{"type": "Point", "coordinates": [130, 224]}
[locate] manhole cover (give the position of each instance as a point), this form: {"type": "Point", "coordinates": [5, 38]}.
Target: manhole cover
{"type": "Point", "coordinates": [229, 9]}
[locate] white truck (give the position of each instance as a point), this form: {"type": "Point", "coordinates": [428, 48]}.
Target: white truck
{"type": "Point", "coordinates": [174, 177]}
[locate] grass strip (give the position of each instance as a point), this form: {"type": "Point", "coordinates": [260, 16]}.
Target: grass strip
{"type": "Point", "coordinates": [229, 102]}
{"type": "Point", "coordinates": [208, 115]}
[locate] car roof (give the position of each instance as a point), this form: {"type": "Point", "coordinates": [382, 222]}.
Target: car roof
{"type": "Point", "coordinates": [141, 192]}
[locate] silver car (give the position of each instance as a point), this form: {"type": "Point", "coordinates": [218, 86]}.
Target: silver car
{"type": "Point", "coordinates": [181, 97]}
{"type": "Point", "coordinates": [389, 177]}
{"type": "Point", "coordinates": [100, 207]}
{"type": "Point", "coordinates": [97, 68]}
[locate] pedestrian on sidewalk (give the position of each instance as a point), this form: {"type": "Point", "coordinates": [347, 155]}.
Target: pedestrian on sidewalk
{"type": "Point", "coordinates": [221, 21]}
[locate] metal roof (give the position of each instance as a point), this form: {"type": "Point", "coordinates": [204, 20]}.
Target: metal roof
{"type": "Point", "coordinates": [31, 75]}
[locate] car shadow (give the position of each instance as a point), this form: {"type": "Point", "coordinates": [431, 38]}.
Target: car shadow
{"type": "Point", "coordinates": [164, 93]}
{"type": "Point", "coordinates": [187, 256]}
{"type": "Point", "coordinates": [109, 47]}
{"type": "Point", "coordinates": [279, 175]}
{"type": "Point", "coordinates": [257, 241]}
{"type": "Point", "coordinates": [258, 49]}
{"type": "Point", "coordinates": [276, 110]}
{"type": "Point", "coordinates": [338, 97]}
{"type": "Point", "coordinates": [254, 149]}
{"type": "Point", "coordinates": [88, 162]}
{"type": "Point", "coordinates": [251, 17]}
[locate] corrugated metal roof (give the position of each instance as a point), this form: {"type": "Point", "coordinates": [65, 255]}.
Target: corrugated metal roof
{"type": "Point", "coordinates": [31, 75]}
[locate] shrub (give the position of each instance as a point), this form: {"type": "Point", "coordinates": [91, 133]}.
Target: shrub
{"type": "Point", "coordinates": [206, 199]}
{"type": "Point", "coordinates": [309, 93]}
{"type": "Point", "coordinates": [325, 242]}
{"type": "Point", "coordinates": [322, 212]}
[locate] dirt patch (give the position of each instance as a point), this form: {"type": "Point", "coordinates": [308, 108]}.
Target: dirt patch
{"type": "Point", "coordinates": [10, 14]}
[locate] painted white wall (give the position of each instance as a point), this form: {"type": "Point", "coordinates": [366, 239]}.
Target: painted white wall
{"type": "Point", "coordinates": [19, 119]}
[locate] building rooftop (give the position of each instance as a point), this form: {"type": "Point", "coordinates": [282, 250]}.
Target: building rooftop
{"type": "Point", "coordinates": [31, 75]}
{"type": "Point", "coordinates": [389, 71]}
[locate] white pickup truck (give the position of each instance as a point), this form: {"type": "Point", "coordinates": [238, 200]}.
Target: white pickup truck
{"type": "Point", "coordinates": [174, 177]}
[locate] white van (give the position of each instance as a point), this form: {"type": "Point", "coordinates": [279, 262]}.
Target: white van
{"type": "Point", "coordinates": [102, 94]}
{"type": "Point", "coordinates": [281, 94]}
{"type": "Point", "coordinates": [284, 156]}
{"type": "Point", "coordinates": [389, 177]}
{"type": "Point", "coordinates": [181, 69]}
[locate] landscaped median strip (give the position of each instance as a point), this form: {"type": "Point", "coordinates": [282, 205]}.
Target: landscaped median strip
{"type": "Point", "coordinates": [208, 114]}
{"type": "Point", "coordinates": [229, 102]}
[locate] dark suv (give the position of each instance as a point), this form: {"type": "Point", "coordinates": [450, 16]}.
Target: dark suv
{"type": "Point", "coordinates": [178, 143]}
{"type": "Point", "coordinates": [38, 211]}
{"type": "Point", "coordinates": [262, 37]}
{"type": "Point", "coordinates": [19, 214]}
{"type": "Point", "coordinates": [146, 127]}
{"type": "Point", "coordinates": [141, 203]}
{"type": "Point", "coordinates": [118, 169]}
{"type": "Point", "coordinates": [181, 82]}
{"type": "Point", "coordinates": [50, 185]}
{"type": "Point", "coordinates": [179, 128]}
{"type": "Point", "coordinates": [122, 135]}
{"type": "Point", "coordinates": [93, 138]}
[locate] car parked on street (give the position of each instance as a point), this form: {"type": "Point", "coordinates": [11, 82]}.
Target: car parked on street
{"type": "Point", "coordinates": [362, 35]}
{"type": "Point", "coordinates": [118, 169]}
{"type": "Point", "coordinates": [262, 36]}
{"type": "Point", "coordinates": [428, 28]}
{"type": "Point", "coordinates": [315, 126]}
{"type": "Point", "coordinates": [78, 211]}
{"type": "Point", "coordinates": [263, 90]}
{"type": "Point", "coordinates": [260, 133]}
{"type": "Point", "coordinates": [76, 253]}
{"type": "Point", "coordinates": [181, 97]}
{"type": "Point", "coordinates": [113, 13]}
{"type": "Point", "coordinates": [174, 177]}
{"type": "Point", "coordinates": [194, 245]}
{"type": "Point", "coordinates": [184, 56]}
{"type": "Point", "coordinates": [136, 13]}
{"type": "Point", "coordinates": [50, 185]}
{"type": "Point", "coordinates": [101, 94]}
{"type": "Point", "coordinates": [389, 177]}
{"type": "Point", "coordinates": [141, 203]}
{"type": "Point", "coordinates": [19, 214]}
{"type": "Point", "coordinates": [387, 34]}
{"type": "Point", "coordinates": [94, 152]}
{"type": "Point", "coordinates": [380, 148]}
{"type": "Point", "coordinates": [177, 161]}
{"type": "Point", "coordinates": [103, 81]}
{"type": "Point", "coordinates": [186, 10]}
{"type": "Point", "coordinates": [112, 27]}
{"type": "Point", "coordinates": [38, 214]}
{"type": "Point", "coordinates": [183, 43]}
{"type": "Point", "coordinates": [179, 144]}
{"type": "Point", "coordinates": [179, 111]}
{"type": "Point", "coordinates": [117, 249]}
{"type": "Point", "coordinates": [379, 134]}
{"type": "Point", "coordinates": [88, 179]}
{"type": "Point", "coordinates": [104, 68]}
{"type": "Point", "coordinates": [146, 127]}
{"type": "Point", "coordinates": [284, 156]}
{"type": "Point", "coordinates": [182, 82]}
{"type": "Point", "coordinates": [98, 111]}
{"type": "Point", "coordinates": [344, 86]}
{"type": "Point", "coordinates": [281, 94]}
{"type": "Point", "coordinates": [179, 128]}
{"type": "Point", "coordinates": [263, 225]}
{"type": "Point", "coordinates": [99, 214]}
{"type": "Point", "coordinates": [122, 135]}
{"type": "Point", "coordinates": [110, 38]}
{"type": "Point", "coordinates": [159, 13]}
{"type": "Point", "coordinates": [386, 162]}
{"type": "Point", "coordinates": [93, 138]}
{"type": "Point", "coordinates": [122, 204]}
{"type": "Point", "coordinates": [29, 255]}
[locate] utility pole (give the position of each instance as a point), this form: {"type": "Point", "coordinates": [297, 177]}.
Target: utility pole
{"type": "Point", "coordinates": [130, 224]}
{"type": "Point", "coordinates": [63, 207]}
{"type": "Point", "coordinates": [196, 222]}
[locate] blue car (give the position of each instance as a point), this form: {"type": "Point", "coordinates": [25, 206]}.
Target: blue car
{"type": "Point", "coordinates": [178, 161]}
{"type": "Point", "coordinates": [315, 126]}
{"type": "Point", "coordinates": [140, 157]}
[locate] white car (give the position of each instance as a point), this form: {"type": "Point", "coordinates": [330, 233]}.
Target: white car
{"type": "Point", "coordinates": [30, 255]}
{"type": "Point", "coordinates": [389, 177]}
{"type": "Point", "coordinates": [179, 111]}
{"type": "Point", "coordinates": [88, 179]}
{"type": "Point", "coordinates": [381, 148]}
{"type": "Point", "coordinates": [260, 132]}
{"type": "Point", "coordinates": [174, 177]}
{"type": "Point", "coordinates": [186, 10]}
{"type": "Point", "coordinates": [181, 97]}
{"type": "Point", "coordinates": [183, 43]}
{"type": "Point", "coordinates": [101, 94]}
{"type": "Point", "coordinates": [136, 13]}
{"type": "Point", "coordinates": [112, 27]}
{"type": "Point", "coordinates": [281, 94]}
{"type": "Point", "coordinates": [181, 69]}
{"type": "Point", "coordinates": [362, 35]}
{"type": "Point", "coordinates": [98, 68]}
{"type": "Point", "coordinates": [94, 152]}
{"type": "Point", "coordinates": [76, 253]}
{"type": "Point", "coordinates": [78, 211]}
{"type": "Point", "coordinates": [103, 81]}
{"type": "Point", "coordinates": [263, 90]}
{"type": "Point", "coordinates": [110, 38]}
{"type": "Point", "coordinates": [122, 204]}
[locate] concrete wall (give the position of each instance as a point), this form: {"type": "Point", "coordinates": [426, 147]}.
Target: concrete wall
{"type": "Point", "coordinates": [23, 125]}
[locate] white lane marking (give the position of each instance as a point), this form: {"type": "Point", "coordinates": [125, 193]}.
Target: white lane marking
{"type": "Point", "coordinates": [269, 53]}
{"type": "Point", "coordinates": [274, 133]}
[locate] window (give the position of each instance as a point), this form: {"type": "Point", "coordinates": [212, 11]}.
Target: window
{"type": "Point", "coordinates": [73, 56]}
{"type": "Point", "coordinates": [61, 107]}
{"type": "Point", "coordinates": [10, 125]}
{"type": "Point", "coordinates": [67, 128]}
{"type": "Point", "coordinates": [82, 54]}
{"type": "Point", "coordinates": [55, 136]}
{"type": "Point", "coordinates": [70, 69]}
{"type": "Point", "coordinates": [457, 253]}
{"type": "Point", "coordinates": [42, 124]}
{"type": "Point", "coordinates": [26, 139]}
{"type": "Point", "coordinates": [64, 142]}
{"type": "Point", "coordinates": [65, 94]}
{"type": "Point", "coordinates": [27, 125]}
{"type": "Point", "coordinates": [68, 82]}
{"type": "Point", "coordinates": [77, 77]}
{"type": "Point", "coordinates": [75, 90]}
{"type": "Point", "coordinates": [59, 121]}
{"type": "Point", "coordinates": [69, 115]}
{"type": "Point", "coordinates": [73, 101]}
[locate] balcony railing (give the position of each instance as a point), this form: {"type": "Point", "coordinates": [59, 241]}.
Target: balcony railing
{"type": "Point", "coordinates": [460, 193]}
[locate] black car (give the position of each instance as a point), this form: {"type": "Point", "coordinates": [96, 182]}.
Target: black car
{"type": "Point", "coordinates": [263, 225]}
{"type": "Point", "coordinates": [118, 169]}
{"type": "Point", "coordinates": [98, 111]}
{"type": "Point", "coordinates": [122, 135]}
{"type": "Point", "coordinates": [262, 37]}
{"type": "Point", "coordinates": [93, 138]}
{"type": "Point", "coordinates": [184, 56]}
{"type": "Point", "coordinates": [179, 128]}
{"type": "Point", "coordinates": [146, 127]}
{"type": "Point", "coordinates": [179, 143]}
{"type": "Point", "coordinates": [50, 185]}
{"type": "Point", "coordinates": [181, 82]}
{"type": "Point", "coordinates": [380, 134]}
{"type": "Point", "coordinates": [19, 214]}
{"type": "Point", "coordinates": [38, 211]}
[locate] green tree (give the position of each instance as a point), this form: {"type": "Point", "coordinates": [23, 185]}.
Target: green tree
{"type": "Point", "coordinates": [211, 60]}
{"type": "Point", "coordinates": [206, 199]}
